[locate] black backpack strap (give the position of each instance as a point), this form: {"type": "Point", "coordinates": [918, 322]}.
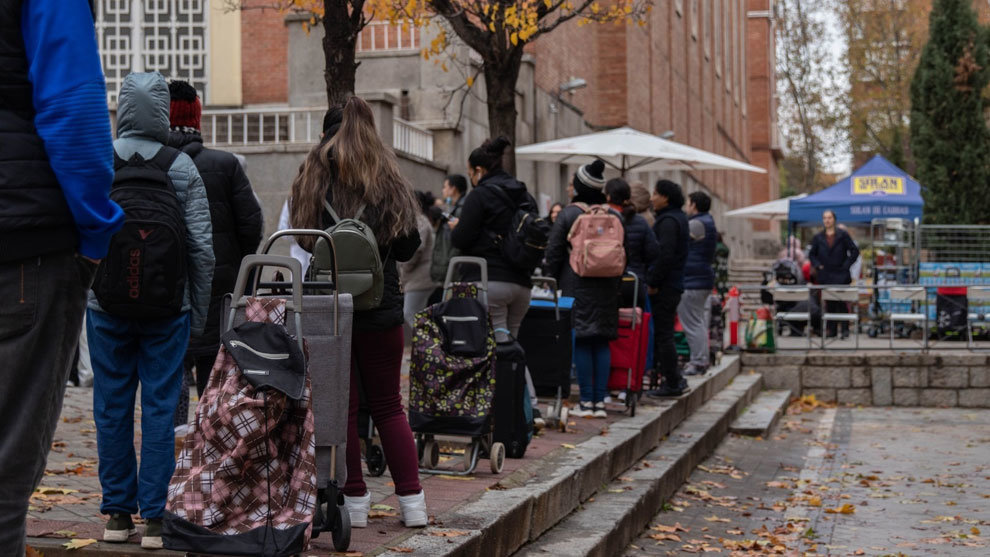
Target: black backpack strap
{"type": "Point", "coordinates": [504, 197]}
{"type": "Point", "coordinates": [165, 157]}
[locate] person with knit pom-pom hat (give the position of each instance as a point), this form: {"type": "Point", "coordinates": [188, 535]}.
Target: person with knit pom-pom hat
{"type": "Point", "coordinates": [596, 300]}
{"type": "Point", "coordinates": [236, 217]}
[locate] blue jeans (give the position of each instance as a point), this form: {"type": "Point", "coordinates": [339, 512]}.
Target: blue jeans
{"type": "Point", "coordinates": [592, 359]}
{"type": "Point", "coordinates": [124, 353]}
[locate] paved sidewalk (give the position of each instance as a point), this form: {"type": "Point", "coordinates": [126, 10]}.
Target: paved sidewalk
{"type": "Point", "coordinates": [67, 504]}
{"type": "Point", "coordinates": [839, 481]}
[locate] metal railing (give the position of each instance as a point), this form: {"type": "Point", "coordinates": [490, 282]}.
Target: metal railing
{"type": "Point", "coordinates": [261, 126]}
{"type": "Point", "coordinates": [875, 308]}
{"type": "Point", "coordinates": [412, 139]}
{"type": "Point", "coordinates": [273, 126]}
{"type": "Point", "coordinates": [954, 243]}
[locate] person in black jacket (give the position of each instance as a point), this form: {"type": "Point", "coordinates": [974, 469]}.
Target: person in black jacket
{"type": "Point", "coordinates": [832, 253]}
{"type": "Point", "coordinates": [234, 211]}
{"type": "Point", "coordinates": [485, 215]}
{"type": "Point", "coordinates": [640, 242]}
{"type": "Point", "coordinates": [351, 167]}
{"type": "Point", "coordinates": [666, 281]}
{"type": "Point", "coordinates": [596, 300]}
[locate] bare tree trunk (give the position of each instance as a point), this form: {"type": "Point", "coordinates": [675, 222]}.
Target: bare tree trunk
{"type": "Point", "coordinates": [339, 50]}
{"type": "Point", "coordinates": [500, 86]}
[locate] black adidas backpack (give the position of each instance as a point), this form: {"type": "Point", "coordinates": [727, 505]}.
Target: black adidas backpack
{"type": "Point", "coordinates": [144, 274]}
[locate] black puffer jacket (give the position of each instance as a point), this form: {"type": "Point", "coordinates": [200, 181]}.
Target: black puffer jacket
{"type": "Point", "coordinates": [237, 224]}
{"type": "Point", "coordinates": [596, 300]}
{"type": "Point", "coordinates": [485, 214]}
{"type": "Point", "coordinates": [642, 248]}
{"type": "Point", "coordinates": [388, 314]}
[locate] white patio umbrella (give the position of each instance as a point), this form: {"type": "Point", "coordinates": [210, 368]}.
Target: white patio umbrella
{"type": "Point", "coordinates": [626, 149]}
{"type": "Point", "coordinates": [776, 209]}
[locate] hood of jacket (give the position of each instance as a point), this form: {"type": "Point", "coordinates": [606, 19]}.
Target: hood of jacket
{"type": "Point", "coordinates": [142, 107]}
{"type": "Point", "coordinates": [500, 178]}
{"type": "Point", "coordinates": [180, 139]}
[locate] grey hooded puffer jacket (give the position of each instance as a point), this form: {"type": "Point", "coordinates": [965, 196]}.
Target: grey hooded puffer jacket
{"type": "Point", "coordinates": [142, 128]}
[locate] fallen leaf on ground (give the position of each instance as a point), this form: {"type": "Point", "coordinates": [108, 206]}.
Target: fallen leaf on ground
{"type": "Point", "coordinates": [847, 508]}
{"type": "Point", "coordinates": [671, 529]}
{"type": "Point", "coordinates": [447, 533]}
{"type": "Point", "coordinates": [781, 485]}
{"type": "Point", "coordinates": [65, 534]}
{"type": "Point", "coordinates": [400, 549]}
{"type": "Point", "coordinates": [815, 501]}
{"type": "Point", "coordinates": [77, 543]}
{"type": "Point", "coordinates": [55, 490]}
{"type": "Point", "coordinates": [31, 552]}
{"type": "Point", "coordinates": [381, 514]}
{"type": "Point", "coordinates": [567, 446]}
{"type": "Point", "coordinates": [381, 507]}
{"type": "Point", "coordinates": [714, 518]}
{"type": "Point", "coordinates": [666, 537]}
{"type": "Point", "coordinates": [461, 478]}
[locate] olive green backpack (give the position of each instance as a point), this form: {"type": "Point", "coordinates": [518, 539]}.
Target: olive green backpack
{"type": "Point", "coordinates": [359, 265]}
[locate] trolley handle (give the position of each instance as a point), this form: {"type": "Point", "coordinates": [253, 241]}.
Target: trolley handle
{"type": "Point", "coordinates": [250, 262]}
{"type": "Point", "coordinates": [295, 232]}
{"type": "Point", "coordinates": [463, 260]}
{"type": "Point", "coordinates": [635, 279]}
{"type": "Point", "coordinates": [550, 284]}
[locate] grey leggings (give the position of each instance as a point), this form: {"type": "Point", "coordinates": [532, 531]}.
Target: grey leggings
{"type": "Point", "coordinates": [508, 303]}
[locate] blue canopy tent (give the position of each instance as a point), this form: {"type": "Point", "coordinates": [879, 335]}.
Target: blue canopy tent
{"type": "Point", "coordinates": [878, 189]}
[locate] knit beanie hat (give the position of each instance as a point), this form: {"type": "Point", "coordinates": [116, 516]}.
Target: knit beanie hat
{"type": "Point", "coordinates": [185, 109]}
{"type": "Point", "coordinates": [589, 181]}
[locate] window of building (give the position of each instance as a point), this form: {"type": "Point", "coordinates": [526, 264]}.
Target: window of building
{"type": "Point", "coordinates": [727, 42]}
{"type": "Point", "coordinates": [694, 19]}
{"type": "Point", "coordinates": [167, 36]}
{"type": "Point", "coordinates": [707, 31]}
{"type": "Point", "coordinates": [719, 39]}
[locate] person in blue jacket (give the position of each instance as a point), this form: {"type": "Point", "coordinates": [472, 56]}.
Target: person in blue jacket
{"type": "Point", "coordinates": [56, 220]}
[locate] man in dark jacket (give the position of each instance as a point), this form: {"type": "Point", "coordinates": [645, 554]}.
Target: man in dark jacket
{"type": "Point", "coordinates": [832, 253]}
{"type": "Point", "coordinates": [234, 212]}
{"type": "Point", "coordinates": [699, 279]}
{"type": "Point", "coordinates": [666, 281]}
{"type": "Point", "coordinates": [56, 221]}
{"type": "Point", "coordinates": [454, 192]}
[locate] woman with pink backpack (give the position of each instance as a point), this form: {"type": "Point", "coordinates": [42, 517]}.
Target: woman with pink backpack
{"type": "Point", "coordinates": [587, 257]}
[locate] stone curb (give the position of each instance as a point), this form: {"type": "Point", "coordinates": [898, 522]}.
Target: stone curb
{"type": "Point", "coordinates": [502, 521]}
{"type": "Point", "coordinates": [627, 505]}
{"type": "Point", "coordinates": [764, 413]}
{"type": "Point", "coordinates": [52, 547]}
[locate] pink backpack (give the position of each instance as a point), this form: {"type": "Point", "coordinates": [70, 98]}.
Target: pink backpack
{"type": "Point", "coordinates": [597, 239]}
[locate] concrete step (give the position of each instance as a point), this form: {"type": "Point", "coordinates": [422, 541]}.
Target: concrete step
{"type": "Point", "coordinates": [761, 416]}
{"type": "Point", "coordinates": [618, 512]}
{"type": "Point", "coordinates": [527, 505]}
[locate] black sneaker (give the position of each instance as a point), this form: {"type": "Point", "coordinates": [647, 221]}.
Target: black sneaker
{"type": "Point", "coordinates": [152, 538]}
{"type": "Point", "coordinates": [665, 390]}
{"type": "Point", "coordinates": [119, 528]}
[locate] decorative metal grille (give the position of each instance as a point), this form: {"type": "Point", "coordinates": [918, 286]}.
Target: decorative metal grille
{"type": "Point", "coordinates": [167, 36]}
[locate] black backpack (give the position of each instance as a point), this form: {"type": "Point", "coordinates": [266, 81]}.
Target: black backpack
{"type": "Point", "coordinates": [144, 274]}
{"type": "Point", "coordinates": [525, 242]}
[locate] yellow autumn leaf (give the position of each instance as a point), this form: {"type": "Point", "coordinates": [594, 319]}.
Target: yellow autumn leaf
{"type": "Point", "coordinates": [847, 508]}
{"type": "Point", "coordinates": [470, 81]}
{"type": "Point", "coordinates": [78, 543]}
{"type": "Point", "coordinates": [514, 39]}
{"type": "Point", "coordinates": [567, 445]}
{"type": "Point", "coordinates": [975, 531]}
{"type": "Point", "coordinates": [815, 501]}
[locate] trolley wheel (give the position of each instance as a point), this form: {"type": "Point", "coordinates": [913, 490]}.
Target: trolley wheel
{"type": "Point", "coordinates": [431, 455]}
{"type": "Point", "coordinates": [341, 531]}
{"type": "Point", "coordinates": [375, 459]}
{"type": "Point", "coordinates": [631, 399]}
{"type": "Point", "coordinates": [497, 457]}
{"type": "Point", "coordinates": [564, 414]}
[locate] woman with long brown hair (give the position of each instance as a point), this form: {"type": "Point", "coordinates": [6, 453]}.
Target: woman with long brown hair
{"type": "Point", "coordinates": [351, 168]}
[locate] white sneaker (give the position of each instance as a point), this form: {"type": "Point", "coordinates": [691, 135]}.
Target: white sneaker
{"type": "Point", "coordinates": [358, 508]}
{"type": "Point", "coordinates": [608, 399]}
{"type": "Point", "coordinates": [583, 410]}
{"type": "Point", "coordinates": [413, 510]}
{"type": "Point", "coordinates": [600, 410]}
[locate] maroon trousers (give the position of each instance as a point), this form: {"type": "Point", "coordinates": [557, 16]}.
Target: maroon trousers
{"type": "Point", "coordinates": [376, 361]}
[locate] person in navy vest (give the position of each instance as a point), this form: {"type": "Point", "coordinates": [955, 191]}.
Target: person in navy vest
{"type": "Point", "coordinates": [699, 279]}
{"type": "Point", "coordinates": [56, 221]}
